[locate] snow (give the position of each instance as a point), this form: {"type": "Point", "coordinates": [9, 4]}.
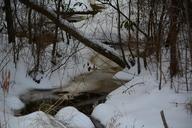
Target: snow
{"type": "Point", "coordinates": [72, 118]}
{"type": "Point", "coordinates": [126, 74]}
{"type": "Point", "coordinates": [21, 82]}
{"type": "Point", "coordinates": [136, 104]}
{"type": "Point", "coordinates": [103, 110]}
{"type": "Point", "coordinates": [140, 105]}
{"type": "Point", "coordinates": [14, 103]}
{"type": "Point", "coordinates": [68, 117]}
{"type": "Point", "coordinates": [118, 121]}
{"type": "Point", "coordinates": [34, 120]}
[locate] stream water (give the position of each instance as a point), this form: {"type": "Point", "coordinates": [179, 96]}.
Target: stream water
{"type": "Point", "coordinates": [83, 91]}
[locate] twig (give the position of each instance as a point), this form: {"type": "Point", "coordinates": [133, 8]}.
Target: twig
{"type": "Point", "coordinates": [4, 58]}
{"type": "Point", "coordinates": [163, 119]}
{"type": "Point", "coordinates": [132, 86]}
{"type": "Point", "coordinates": [127, 18]}
{"type": "Point", "coordinates": [66, 60]}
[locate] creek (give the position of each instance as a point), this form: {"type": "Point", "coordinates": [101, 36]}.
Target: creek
{"type": "Point", "coordinates": [84, 91]}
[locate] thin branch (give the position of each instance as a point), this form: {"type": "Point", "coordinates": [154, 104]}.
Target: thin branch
{"type": "Point", "coordinates": [127, 18]}
{"type": "Point", "coordinates": [163, 119]}
{"type": "Point", "coordinates": [66, 26]}
{"type": "Point", "coordinates": [132, 86]}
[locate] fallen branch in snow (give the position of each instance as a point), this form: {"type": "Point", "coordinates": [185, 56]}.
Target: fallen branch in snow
{"type": "Point", "coordinates": [68, 14]}
{"type": "Point", "coordinates": [163, 119]}
{"type": "Point", "coordinates": [96, 123]}
{"type": "Point", "coordinates": [132, 86]}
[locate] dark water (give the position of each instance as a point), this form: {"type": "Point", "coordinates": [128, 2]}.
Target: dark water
{"type": "Point", "coordinates": [84, 102]}
{"type": "Point", "coordinates": [83, 92]}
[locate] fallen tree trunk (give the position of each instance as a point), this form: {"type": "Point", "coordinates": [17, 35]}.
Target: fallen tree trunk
{"type": "Point", "coordinates": [66, 14]}
{"type": "Point", "coordinates": [66, 26]}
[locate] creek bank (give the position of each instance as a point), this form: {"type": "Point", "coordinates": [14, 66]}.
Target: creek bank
{"type": "Point", "coordinates": [83, 92]}
{"type": "Point", "coordinates": [84, 102]}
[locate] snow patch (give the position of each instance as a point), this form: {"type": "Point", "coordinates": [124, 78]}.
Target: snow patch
{"type": "Point", "coordinates": [138, 104]}
{"type": "Point", "coordinates": [72, 118]}
{"type": "Point", "coordinates": [34, 120]}
{"type": "Point", "coordinates": [14, 103]}
{"type": "Point", "coordinates": [103, 113]}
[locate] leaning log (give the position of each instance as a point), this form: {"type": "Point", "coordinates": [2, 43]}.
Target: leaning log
{"type": "Point", "coordinates": [66, 26]}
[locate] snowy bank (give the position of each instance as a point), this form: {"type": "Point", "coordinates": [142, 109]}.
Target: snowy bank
{"type": "Point", "coordinates": [72, 118]}
{"type": "Point", "coordinates": [138, 104]}
{"type": "Point", "coordinates": [34, 120]}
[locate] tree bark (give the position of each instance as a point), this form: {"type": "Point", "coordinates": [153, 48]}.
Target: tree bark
{"type": "Point", "coordinates": [172, 37]}
{"type": "Point", "coordinates": [10, 28]}
{"type": "Point", "coordinates": [9, 19]}
{"type": "Point", "coordinates": [57, 4]}
{"type": "Point", "coordinates": [119, 35]}
{"type": "Point", "coordinates": [159, 41]}
{"type": "Point", "coordinates": [188, 16]}
{"type": "Point", "coordinates": [130, 50]}
{"type": "Point", "coordinates": [137, 36]}
{"type": "Point", "coordinates": [64, 25]}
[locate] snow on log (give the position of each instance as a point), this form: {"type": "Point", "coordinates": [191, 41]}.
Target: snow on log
{"type": "Point", "coordinates": [67, 27]}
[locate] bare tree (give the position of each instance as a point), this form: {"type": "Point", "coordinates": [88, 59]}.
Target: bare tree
{"type": "Point", "coordinates": [119, 34]}
{"type": "Point", "coordinates": [172, 37]}
{"type": "Point", "coordinates": [58, 5]}
{"type": "Point", "coordinates": [9, 19]}
{"type": "Point", "coordinates": [137, 37]}
{"type": "Point", "coordinates": [66, 27]}
{"type": "Point", "coordinates": [10, 27]}
{"type": "Point", "coordinates": [188, 16]}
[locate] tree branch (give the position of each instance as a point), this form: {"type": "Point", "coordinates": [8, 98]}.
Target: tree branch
{"type": "Point", "coordinates": [66, 26]}
{"type": "Point", "coordinates": [127, 18]}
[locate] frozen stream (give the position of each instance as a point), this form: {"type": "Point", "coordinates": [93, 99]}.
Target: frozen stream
{"type": "Point", "coordinates": [83, 91]}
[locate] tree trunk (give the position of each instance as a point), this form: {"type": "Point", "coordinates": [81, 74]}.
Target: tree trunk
{"type": "Point", "coordinates": [9, 19]}
{"type": "Point", "coordinates": [188, 16]}
{"type": "Point", "coordinates": [56, 32]}
{"type": "Point", "coordinates": [130, 50]}
{"type": "Point", "coordinates": [10, 28]}
{"type": "Point", "coordinates": [119, 35]}
{"type": "Point", "coordinates": [172, 38]}
{"type": "Point", "coordinates": [64, 25]}
{"type": "Point", "coordinates": [159, 41]}
{"type": "Point", "coordinates": [137, 36]}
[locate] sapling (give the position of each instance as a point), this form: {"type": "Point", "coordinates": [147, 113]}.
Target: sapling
{"type": "Point", "coordinates": [5, 83]}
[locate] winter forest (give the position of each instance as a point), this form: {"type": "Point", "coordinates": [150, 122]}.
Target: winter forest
{"type": "Point", "coordinates": [95, 63]}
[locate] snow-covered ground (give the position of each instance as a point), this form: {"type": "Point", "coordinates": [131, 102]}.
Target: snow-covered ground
{"type": "Point", "coordinates": [34, 120]}
{"type": "Point", "coordinates": [136, 104]}
{"type": "Point", "coordinates": [72, 118]}
{"type": "Point", "coordinates": [22, 82]}
{"type": "Point", "coordinates": [68, 117]}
